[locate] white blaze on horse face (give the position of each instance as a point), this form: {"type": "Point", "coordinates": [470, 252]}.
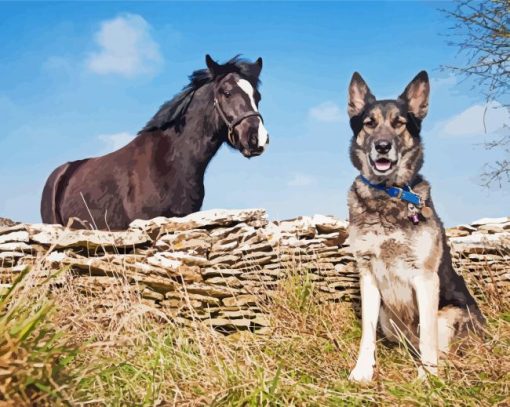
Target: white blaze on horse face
{"type": "Point", "coordinates": [248, 89]}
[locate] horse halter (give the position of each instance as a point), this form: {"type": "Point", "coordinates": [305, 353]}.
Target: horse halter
{"type": "Point", "coordinates": [237, 120]}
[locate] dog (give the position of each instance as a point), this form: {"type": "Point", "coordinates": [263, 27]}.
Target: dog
{"type": "Point", "coordinates": [407, 281]}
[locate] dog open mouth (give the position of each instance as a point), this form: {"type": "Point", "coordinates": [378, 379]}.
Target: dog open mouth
{"type": "Point", "coordinates": [382, 164]}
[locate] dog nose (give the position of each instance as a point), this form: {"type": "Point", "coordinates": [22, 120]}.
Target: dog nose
{"type": "Point", "coordinates": [382, 146]}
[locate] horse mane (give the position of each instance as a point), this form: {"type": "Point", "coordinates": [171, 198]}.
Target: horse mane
{"type": "Point", "coordinates": [171, 112]}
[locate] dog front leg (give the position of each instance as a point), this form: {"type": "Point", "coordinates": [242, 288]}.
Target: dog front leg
{"type": "Point", "coordinates": [370, 305]}
{"type": "Point", "coordinates": [427, 295]}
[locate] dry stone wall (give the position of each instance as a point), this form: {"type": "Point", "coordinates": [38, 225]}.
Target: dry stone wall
{"type": "Point", "coordinates": [218, 266]}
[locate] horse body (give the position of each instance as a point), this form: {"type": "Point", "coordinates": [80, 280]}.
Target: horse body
{"type": "Point", "coordinates": [146, 178]}
{"type": "Point", "coordinates": [161, 171]}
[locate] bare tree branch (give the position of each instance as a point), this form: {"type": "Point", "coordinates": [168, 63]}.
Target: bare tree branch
{"type": "Point", "coordinates": [481, 32]}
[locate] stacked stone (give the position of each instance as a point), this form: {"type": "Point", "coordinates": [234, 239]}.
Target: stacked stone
{"type": "Point", "coordinates": [317, 245]}
{"type": "Point", "coordinates": [481, 251]}
{"type": "Point", "coordinates": [214, 255]}
{"type": "Point", "coordinates": [220, 266]}
{"type": "Point", "coordinates": [238, 259]}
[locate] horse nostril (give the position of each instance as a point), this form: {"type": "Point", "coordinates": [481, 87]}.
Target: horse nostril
{"type": "Point", "coordinates": [383, 146]}
{"type": "Point", "coordinates": [254, 140]}
{"type": "Point", "coordinates": [267, 139]}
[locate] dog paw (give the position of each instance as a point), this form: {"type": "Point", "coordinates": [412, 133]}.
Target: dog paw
{"type": "Point", "coordinates": [362, 374]}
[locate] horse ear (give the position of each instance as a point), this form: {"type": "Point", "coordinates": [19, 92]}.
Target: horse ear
{"type": "Point", "coordinates": [213, 67]}
{"type": "Point", "coordinates": [416, 95]}
{"type": "Point", "coordinates": [359, 95]}
{"type": "Point", "coordinates": [252, 70]}
{"type": "Point", "coordinates": [258, 64]}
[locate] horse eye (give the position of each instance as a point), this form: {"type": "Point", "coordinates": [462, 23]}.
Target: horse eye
{"type": "Point", "coordinates": [226, 93]}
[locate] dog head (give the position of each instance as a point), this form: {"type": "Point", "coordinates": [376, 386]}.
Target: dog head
{"type": "Point", "coordinates": [386, 145]}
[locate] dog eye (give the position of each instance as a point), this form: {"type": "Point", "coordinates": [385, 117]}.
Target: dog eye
{"type": "Point", "coordinates": [398, 122]}
{"type": "Point", "coordinates": [370, 123]}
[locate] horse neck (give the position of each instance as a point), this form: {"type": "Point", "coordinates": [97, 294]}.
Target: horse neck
{"type": "Point", "coordinates": [193, 146]}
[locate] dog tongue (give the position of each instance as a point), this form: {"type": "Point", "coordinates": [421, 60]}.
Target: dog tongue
{"type": "Point", "coordinates": [383, 165]}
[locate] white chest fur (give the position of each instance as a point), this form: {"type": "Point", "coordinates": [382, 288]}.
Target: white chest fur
{"type": "Point", "coordinates": [395, 259]}
{"type": "Point", "coordinates": [398, 250]}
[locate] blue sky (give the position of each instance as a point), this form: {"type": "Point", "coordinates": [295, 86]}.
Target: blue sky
{"type": "Point", "coordinates": [79, 79]}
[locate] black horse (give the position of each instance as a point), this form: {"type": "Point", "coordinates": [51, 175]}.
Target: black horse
{"type": "Point", "coordinates": [161, 172]}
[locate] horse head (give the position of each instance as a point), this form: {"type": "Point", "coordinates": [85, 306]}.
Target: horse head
{"type": "Point", "coordinates": [236, 100]}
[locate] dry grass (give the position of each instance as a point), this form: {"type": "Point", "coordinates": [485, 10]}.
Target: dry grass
{"type": "Point", "coordinates": [74, 352]}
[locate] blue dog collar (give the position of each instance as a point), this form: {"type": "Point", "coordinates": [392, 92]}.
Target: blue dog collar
{"type": "Point", "coordinates": [404, 194]}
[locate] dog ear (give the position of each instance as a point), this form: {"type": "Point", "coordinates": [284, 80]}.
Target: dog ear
{"type": "Point", "coordinates": [213, 67]}
{"type": "Point", "coordinates": [416, 95]}
{"type": "Point", "coordinates": [359, 95]}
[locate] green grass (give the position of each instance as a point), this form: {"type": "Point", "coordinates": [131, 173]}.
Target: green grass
{"type": "Point", "coordinates": [34, 357]}
{"type": "Point", "coordinates": [71, 351]}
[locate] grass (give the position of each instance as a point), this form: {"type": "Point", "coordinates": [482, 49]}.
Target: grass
{"type": "Point", "coordinates": [33, 354]}
{"type": "Point", "coordinates": [72, 351]}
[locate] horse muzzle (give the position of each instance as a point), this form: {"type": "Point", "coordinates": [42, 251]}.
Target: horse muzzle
{"type": "Point", "coordinates": [252, 152]}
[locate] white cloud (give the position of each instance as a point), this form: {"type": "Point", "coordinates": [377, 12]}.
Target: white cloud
{"type": "Point", "coordinates": [126, 48]}
{"type": "Point", "coordinates": [443, 82]}
{"type": "Point", "coordinates": [476, 120]}
{"type": "Point", "coordinates": [328, 112]}
{"type": "Point", "coordinates": [300, 180]}
{"type": "Point", "coordinates": [115, 141]}
{"type": "Point", "coordinates": [57, 64]}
